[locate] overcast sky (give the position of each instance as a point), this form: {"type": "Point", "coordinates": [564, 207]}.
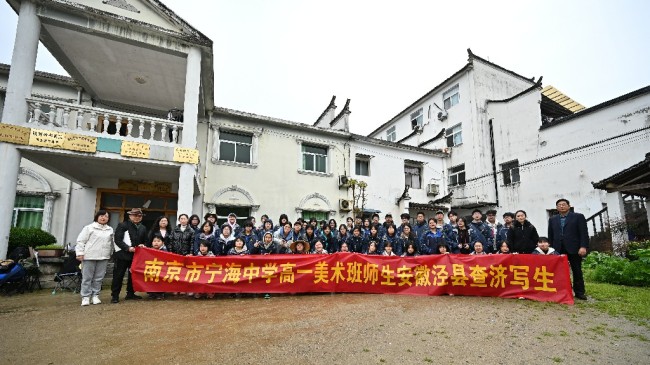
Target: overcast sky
{"type": "Point", "coordinates": [286, 58]}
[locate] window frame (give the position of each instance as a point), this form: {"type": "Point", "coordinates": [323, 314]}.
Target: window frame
{"type": "Point", "coordinates": [362, 159]}
{"type": "Point", "coordinates": [452, 133]}
{"type": "Point", "coordinates": [417, 117]}
{"type": "Point", "coordinates": [18, 210]}
{"type": "Point", "coordinates": [391, 134]}
{"type": "Point", "coordinates": [455, 173]}
{"type": "Point", "coordinates": [236, 144]}
{"type": "Point", "coordinates": [301, 159]}
{"type": "Point", "coordinates": [507, 169]}
{"type": "Point", "coordinates": [408, 176]}
{"type": "Point", "coordinates": [452, 92]}
{"type": "Point", "coordinates": [234, 129]}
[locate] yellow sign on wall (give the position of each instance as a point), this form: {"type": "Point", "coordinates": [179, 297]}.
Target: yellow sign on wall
{"type": "Point", "coordinates": [14, 134]}
{"type": "Point", "coordinates": [46, 138]}
{"type": "Point", "coordinates": [135, 149]}
{"type": "Point", "coordinates": [76, 142]}
{"type": "Point", "coordinates": [187, 155]}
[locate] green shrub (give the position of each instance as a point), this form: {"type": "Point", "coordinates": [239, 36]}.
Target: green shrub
{"type": "Point", "coordinates": [605, 268]}
{"type": "Point", "coordinates": [29, 237]}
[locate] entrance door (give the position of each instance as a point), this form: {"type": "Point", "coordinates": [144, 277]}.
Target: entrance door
{"type": "Point", "coordinates": [118, 202]}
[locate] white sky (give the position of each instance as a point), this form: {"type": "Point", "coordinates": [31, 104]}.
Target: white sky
{"type": "Point", "coordinates": [286, 58]}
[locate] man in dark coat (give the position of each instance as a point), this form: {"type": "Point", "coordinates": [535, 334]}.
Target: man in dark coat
{"type": "Point", "coordinates": [128, 236]}
{"type": "Point", "coordinates": [567, 233]}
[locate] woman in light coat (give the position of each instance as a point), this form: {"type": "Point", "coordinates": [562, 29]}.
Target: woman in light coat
{"type": "Point", "coordinates": [94, 249]}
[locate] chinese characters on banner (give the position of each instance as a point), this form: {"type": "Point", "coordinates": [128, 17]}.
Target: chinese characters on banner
{"type": "Point", "coordinates": [536, 277]}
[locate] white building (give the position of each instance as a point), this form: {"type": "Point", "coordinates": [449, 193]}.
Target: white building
{"type": "Point", "coordinates": [135, 61]}
{"type": "Point", "coordinates": [513, 147]}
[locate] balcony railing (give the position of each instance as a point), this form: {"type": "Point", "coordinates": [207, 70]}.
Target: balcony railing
{"type": "Point", "coordinates": [102, 122]}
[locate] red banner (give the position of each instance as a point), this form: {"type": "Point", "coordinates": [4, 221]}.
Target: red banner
{"type": "Point", "coordinates": [536, 277]}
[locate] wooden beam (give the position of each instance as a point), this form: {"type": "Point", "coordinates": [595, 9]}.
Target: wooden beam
{"type": "Point", "coordinates": [629, 187]}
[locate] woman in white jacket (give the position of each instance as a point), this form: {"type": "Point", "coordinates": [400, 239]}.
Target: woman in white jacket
{"type": "Point", "coordinates": [94, 249]}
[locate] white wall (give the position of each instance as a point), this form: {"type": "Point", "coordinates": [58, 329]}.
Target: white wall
{"type": "Point", "coordinates": [517, 135]}
{"type": "Point", "coordinates": [273, 182]}
{"type": "Point", "coordinates": [386, 180]}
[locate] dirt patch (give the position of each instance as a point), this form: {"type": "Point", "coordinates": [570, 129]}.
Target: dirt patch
{"type": "Point", "coordinates": [41, 328]}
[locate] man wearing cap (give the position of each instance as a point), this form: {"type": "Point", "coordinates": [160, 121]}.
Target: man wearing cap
{"type": "Point", "coordinates": [491, 221]}
{"type": "Point", "coordinates": [128, 236]}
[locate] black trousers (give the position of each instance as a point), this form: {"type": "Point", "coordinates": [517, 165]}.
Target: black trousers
{"type": "Point", "coordinates": [119, 269]}
{"type": "Point", "coordinates": [575, 261]}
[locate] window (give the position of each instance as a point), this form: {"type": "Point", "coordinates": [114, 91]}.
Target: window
{"type": "Point", "coordinates": [454, 136]}
{"type": "Point", "coordinates": [362, 166]}
{"type": "Point", "coordinates": [412, 176]}
{"type": "Point", "coordinates": [457, 175]}
{"type": "Point", "coordinates": [235, 147]}
{"type": "Point", "coordinates": [510, 171]}
{"type": "Point", "coordinates": [416, 119]}
{"type": "Point", "coordinates": [451, 97]}
{"type": "Point", "coordinates": [28, 211]}
{"type": "Point", "coordinates": [391, 136]}
{"type": "Point", "coordinates": [314, 158]}
{"type": "Point", "coordinates": [320, 216]}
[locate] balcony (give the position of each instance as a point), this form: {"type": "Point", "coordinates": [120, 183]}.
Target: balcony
{"type": "Point", "coordinates": [97, 122]}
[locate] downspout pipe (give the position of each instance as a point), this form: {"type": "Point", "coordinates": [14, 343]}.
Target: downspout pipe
{"type": "Point", "coordinates": [494, 163]}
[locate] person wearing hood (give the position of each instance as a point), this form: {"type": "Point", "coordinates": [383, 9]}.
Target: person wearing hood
{"type": "Point", "coordinates": [93, 249]}
{"type": "Point", "coordinates": [284, 236]}
{"type": "Point", "coordinates": [181, 238]}
{"type": "Point", "coordinates": [235, 229]}
{"type": "Point", "coordinates": [205, 233]}
{"type": "Point", "coordinates": [522, 236]}
{"type": "Point", "coordinates": [225, 242]}
{"type": "Point", "coordinates": [544, 248]}
{"type": "Point", "coordinates": [267, 246]}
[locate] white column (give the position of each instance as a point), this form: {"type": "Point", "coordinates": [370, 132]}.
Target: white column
{"type": "Point", "coordinates": [190, 125]}
{"type": "Point", "coordinates": [19, 87]}
{"type": "Point", "coordinates": [48, 208]}
{"type": "Point", "coordinates": [617, 223]}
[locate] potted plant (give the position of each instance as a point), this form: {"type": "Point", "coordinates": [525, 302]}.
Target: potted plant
{"type": "Point", "coordinates": [30, 237]}
{"type": "Point", "coordinates": [50, 250]}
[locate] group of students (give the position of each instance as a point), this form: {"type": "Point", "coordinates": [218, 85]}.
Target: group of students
{"type": "Point", "coordinates": [457, 235]}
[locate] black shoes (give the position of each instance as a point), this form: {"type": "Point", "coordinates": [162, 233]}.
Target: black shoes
{"type": "Point", "coordinates": [132, 297]}
{"type": "Point", "coordinates": [115, 300]}
{"type": "Point", "coordinates": [581, 296]}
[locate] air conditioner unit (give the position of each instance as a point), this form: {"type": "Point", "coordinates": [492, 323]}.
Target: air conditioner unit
{"type": "Point", "coordinates": [433, 189]}
{"type": "Point", "coordinates": [343, 181]}
{"type": "Point", "coordinates": [442, 115]}
{"type": "Point", "coordinates": [345, 204]}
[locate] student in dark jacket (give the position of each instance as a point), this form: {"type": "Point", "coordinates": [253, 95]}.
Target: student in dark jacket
{"type": "Point", "coordinates": [481, 230]}
{"type": "Point", "coordinates": [421, 226]}
{"type": "Point", "coordinates": [376, 237]}
{"type": "Point", "coordinates": [432, 238]}
{"type": "Point", "coordinates": [567, 234]}
{"type": "Point", "coordinates": [342, 236]}
{"type": "Point", "coordinates": [194, 222]}
{"type": "Point", "coordinates": [357, 241]}
{"type": "Point", "coordinates": [160, 227]}
{"type": "Point", "coordinates": [248, 235]}
{"type": "Point", "coordinates": [502, 233]}
{"type": "Point", "coordinates": [182, 237]}
{"type": "Point", "coordinates": [206, 234]}
{"type": "Point", "coordinates": [391, 237]}
{"type": "Point", "coordinates": [329, 240]}
{"type": "Point", "coordinates": [405, 237]}
{"type": "Point", "coordinates": [522, 236]}
{"type": "Point", "coordinates": [128, 236]}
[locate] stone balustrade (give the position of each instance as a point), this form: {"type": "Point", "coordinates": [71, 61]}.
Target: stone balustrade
{"type": "Point", "coordinates": [101, 122]}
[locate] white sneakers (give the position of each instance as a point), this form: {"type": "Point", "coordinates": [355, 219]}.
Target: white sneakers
{"type": "Point", "coordinates": [86, 301]}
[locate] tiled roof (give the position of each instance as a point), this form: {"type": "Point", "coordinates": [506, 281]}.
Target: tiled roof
{"type": "Point", "coordinates": [558, 97]}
